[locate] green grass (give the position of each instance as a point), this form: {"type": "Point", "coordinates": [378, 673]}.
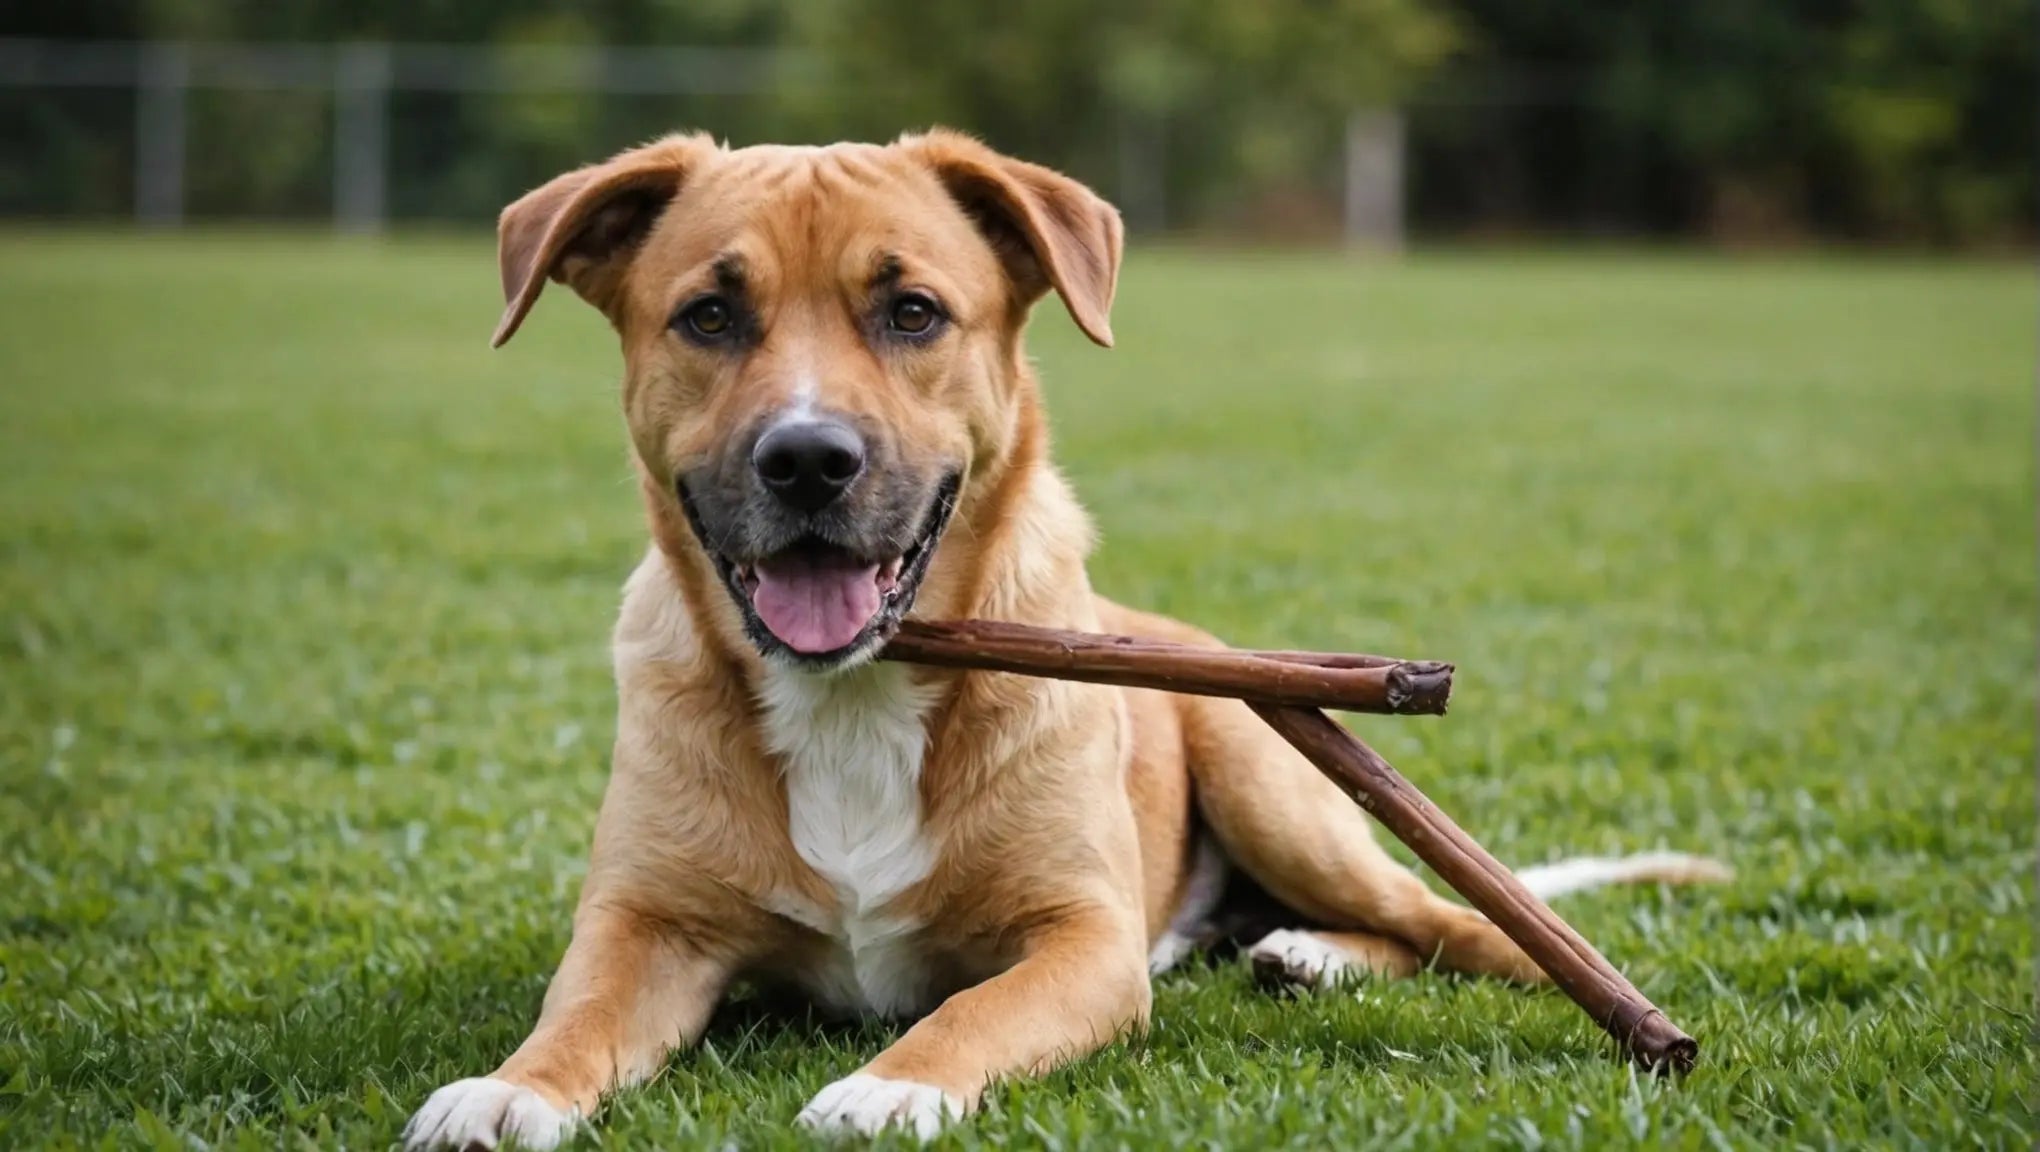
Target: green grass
{"type": "Point", "coordinates": [304, 700]}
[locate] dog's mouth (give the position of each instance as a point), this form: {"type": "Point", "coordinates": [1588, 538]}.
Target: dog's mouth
{"type": "Point", "coordinates": [824, 604]}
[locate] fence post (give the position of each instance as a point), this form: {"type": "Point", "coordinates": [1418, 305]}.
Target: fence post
{"type": "Point", "coordinates": [361, 97]}
{"type": "Point", "coordinates": [1374, 179]}
{"type": "Point", "coordinates": [163, 78]}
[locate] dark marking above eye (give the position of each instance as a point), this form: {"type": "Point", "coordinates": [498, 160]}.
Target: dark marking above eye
{"type": "Point", "coordinates": [729, 274]}
{"type": "Point", "coordinates": [887, 271]}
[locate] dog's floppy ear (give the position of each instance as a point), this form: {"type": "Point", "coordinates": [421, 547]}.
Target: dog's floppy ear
{"type": "Point", "coordinates": [581, 228]}
{"type": "Point", "coordinates": [1049, 230]}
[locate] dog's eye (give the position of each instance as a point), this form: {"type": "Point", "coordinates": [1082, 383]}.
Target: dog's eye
{"type": "Point", "coordinates": [914, 315]}
{"type": "Point", "coordinates": [709, 318]}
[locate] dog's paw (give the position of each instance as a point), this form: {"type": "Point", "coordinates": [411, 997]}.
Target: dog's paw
{"type": "Point", "coordinates": [1168, 952]}
{"type": "Point", "coordinates": [484, 1112]}
{"type": "Point", "coordinates": [1298, 959]}
{"type": "Point", "coordinates": [863, 1105]}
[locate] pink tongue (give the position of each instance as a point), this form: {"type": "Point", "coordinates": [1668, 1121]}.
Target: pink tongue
{"type": "Point", "coordinates": [815, 604]}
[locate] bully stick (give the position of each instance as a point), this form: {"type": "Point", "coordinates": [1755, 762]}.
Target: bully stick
{"type": "Point", "coordinates": [1287, 689]}
{"type": "Point", "coordinates": [1651, 1039]}
{"type": "Point", "coordinates": [1375, 684]}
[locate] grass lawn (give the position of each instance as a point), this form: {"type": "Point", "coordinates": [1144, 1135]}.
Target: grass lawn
{"type": "Point", "coordinates": [304, 701]}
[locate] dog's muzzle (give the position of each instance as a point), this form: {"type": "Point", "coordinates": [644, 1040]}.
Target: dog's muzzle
{"type": "Point", "coordinates": [817, 583]}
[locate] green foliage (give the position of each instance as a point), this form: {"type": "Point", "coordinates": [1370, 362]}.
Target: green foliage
{"type": "Point", "coordinates": [1760, 120]}
{"type": "Point", "coordinates": [304, 700]}
{"type": "Point", "coordinates": [1932, 104]}
{"type": "Point", "coordinates": [458, 21]}
{"type": "Point", "coordinates": [1910, 119]}
{"type": "Point", "coordinates": [1251, 91]}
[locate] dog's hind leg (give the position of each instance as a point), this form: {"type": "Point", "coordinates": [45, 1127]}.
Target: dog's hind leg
{"type": "Point", "coordinates": [1303, 840]}
{"type": "Point", "coordinates": [1306, 842]}
{"type": "Point", "coordinates": [1312, 848]}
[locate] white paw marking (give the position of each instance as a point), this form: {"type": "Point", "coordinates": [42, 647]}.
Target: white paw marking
{"type": "Point", "coordinates": [864, 1105]}
{"type": "Point", "coordinates": [1288, 957]}
{"type": "Point", "coordinates": [1168, 951]}
{"type": "Point", "coordinates": [482, 1112]}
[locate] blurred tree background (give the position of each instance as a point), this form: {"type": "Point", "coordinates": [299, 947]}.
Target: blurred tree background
{"type": "Point", "coordinates": [1741, 121]}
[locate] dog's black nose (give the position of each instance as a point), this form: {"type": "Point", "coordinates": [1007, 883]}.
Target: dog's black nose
{"type": "Point", "coordinates": [808, 464]}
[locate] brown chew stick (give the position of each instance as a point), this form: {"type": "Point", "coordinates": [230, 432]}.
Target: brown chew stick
{"type": "Point", "coordinates": [1287, 689]}
{"type": "Point", "coordinates": [1309, 680]}
{"type": "Point", "coordinates": [1572, 963]}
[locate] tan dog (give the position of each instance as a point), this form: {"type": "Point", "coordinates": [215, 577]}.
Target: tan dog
{"type": "Point", "coordinates": [834, 423]}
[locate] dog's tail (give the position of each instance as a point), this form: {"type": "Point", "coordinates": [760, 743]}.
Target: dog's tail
{"type": "Point", "coordinates": [1583, 872]}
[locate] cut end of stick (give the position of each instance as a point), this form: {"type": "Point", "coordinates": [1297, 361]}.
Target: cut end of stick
{"type": "Point", "coordinates": [1420, 687]}
{"type": "Point", "coordinates": [1652, 1042]}
{"type": "Point", "coordinates": [1657, 1046]}
{"type": "Point", "coordinates": [1680, 1056]}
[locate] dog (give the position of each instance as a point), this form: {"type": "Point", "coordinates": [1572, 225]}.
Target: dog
{"type": "Point", "coordinates": [834, 424]}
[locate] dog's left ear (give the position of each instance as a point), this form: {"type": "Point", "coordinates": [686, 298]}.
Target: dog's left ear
{"type": "Point", "coordinates": [1048, 230]}
{"type": "Point", "coordinates": [582, 228]}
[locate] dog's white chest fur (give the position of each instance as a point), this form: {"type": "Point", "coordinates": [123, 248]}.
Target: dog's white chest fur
{"type": "Point", "coordinates": [852, 746]}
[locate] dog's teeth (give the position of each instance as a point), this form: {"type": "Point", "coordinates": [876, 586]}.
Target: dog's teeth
{"type": "Point", "coordinates": [888, 578]}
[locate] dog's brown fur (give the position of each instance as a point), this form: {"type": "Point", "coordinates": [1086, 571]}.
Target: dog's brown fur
{"type": "Point", "coordinates": [1063, 815]}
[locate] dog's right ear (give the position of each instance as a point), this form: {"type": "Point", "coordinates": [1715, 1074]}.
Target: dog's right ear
{"type": "Point", "coordinates": [582, 228]}
{"type": "Point", "coordinates": [1048, 230]}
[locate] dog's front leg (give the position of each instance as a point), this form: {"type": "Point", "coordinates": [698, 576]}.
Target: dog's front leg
{"type": "Point", "coordinates": [1082, 981]}
{"type": "Point", "coordinates": [629, 990]}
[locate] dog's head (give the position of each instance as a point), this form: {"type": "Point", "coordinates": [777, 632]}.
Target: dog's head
{"type": "Point", "coordinates": [822, 350]}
